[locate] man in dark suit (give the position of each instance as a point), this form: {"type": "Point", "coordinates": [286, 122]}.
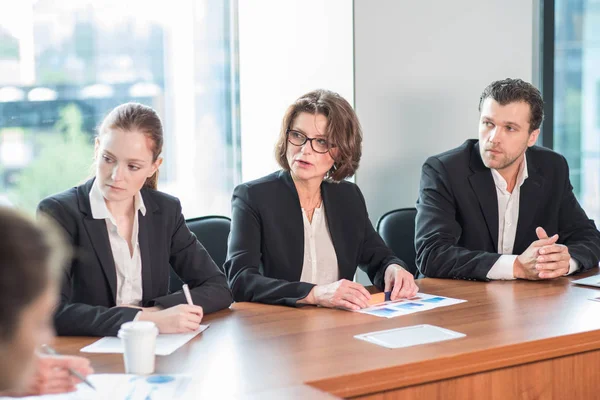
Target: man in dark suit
{"type": "Point", "coordinates": [486, 209]}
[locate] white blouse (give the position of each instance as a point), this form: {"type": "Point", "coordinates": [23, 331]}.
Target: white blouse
{"type": "Point", "coordinates": [320, 261]}
{"type": "Point", "coordinates": [128, 266]}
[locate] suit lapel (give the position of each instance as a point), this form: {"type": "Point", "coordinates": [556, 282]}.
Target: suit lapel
{"type": "Point", "coordinates": [482, 184]}
{"type": "Point", "coordinates": [98, 234]}
{"type": "Point", "coordinates": [335, 229]}
{"type": "Point", "coordinates": [295, 225]}
{"type": "Point", "coordinates": [531, 193]}
{"type": "Point", "coordinates": [147, 225]}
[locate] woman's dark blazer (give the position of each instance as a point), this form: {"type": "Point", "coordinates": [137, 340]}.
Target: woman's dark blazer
{"type": "Point", "coordinates": [266, 244]}
{"type": "Point", "coordinates": [88, 293]}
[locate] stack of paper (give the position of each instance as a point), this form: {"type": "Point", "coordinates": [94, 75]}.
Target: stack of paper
{"type": "Point", "coordinates": [410, 336]}
{"type": "Point", "coordinates": [165, 343]}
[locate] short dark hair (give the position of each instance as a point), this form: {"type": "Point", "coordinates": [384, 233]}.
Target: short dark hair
{"type": "Point", "coordinates": [343, 130]}
{"type": "Point", "coordinates": [516, 90]}
{"type": "Point", "coordinates": [30, 255]}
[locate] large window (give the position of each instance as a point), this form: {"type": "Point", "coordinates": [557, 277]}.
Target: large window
{"type": "Point", "coordinates": [576, 103]}
{"type": "Point", "coordinates": [65, 64]}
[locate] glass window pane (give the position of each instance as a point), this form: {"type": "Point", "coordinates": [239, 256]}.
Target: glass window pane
{"type": "Point", "coordinates": [577, 97]}
{"type": "Point", "coordinates": [64, 65]}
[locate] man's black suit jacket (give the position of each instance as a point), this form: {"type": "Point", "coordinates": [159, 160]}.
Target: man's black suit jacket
{"type": "Point", "coordinates": [266, 244]}
{"type": "Point", "coordinates": [88, 293]}
{"type": "Point", "coordinates": [457, 213]}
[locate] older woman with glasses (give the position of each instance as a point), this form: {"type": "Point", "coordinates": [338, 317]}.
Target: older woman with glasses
{"type": "Point", "coordinates": [298, 234]}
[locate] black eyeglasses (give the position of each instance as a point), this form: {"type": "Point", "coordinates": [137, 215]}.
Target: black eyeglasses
{"type": "Point", "coordinates": [319, 145]}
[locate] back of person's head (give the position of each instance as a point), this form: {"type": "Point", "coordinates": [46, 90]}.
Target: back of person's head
{"type": "Point", "coordinates": [30, 257]}
{"type": "Point", "coordinates": [343, 130]}
{"type": "Point", "coordinates": [513, 91]}
{"type": "Point", "coordinates": [131, 117]}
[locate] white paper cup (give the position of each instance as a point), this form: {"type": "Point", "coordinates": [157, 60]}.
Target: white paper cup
{"type": "Point", "coordinates": [139, 342]}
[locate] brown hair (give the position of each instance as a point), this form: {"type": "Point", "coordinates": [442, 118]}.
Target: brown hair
{"type": "Point", "coordinates": [31, 255]}
{"type": "Point", "coordinates": [516, 90]}
{"type": "Point", "coordinates": [137, 117]}
{"type": "Point", "coordinates": [343, 131]}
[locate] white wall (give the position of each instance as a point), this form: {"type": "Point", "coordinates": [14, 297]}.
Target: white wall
{"type": "Point", "coordinates": [287, 48]}
{"type": "Point", "coordinates": [420, 67]}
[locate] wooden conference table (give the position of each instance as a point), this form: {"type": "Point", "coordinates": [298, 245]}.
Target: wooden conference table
{"type": "Point", "coordinates": [524, 340]}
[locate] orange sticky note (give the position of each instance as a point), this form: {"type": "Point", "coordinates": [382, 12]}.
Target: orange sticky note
{"type": "Point", "coordinates": [377, 298]}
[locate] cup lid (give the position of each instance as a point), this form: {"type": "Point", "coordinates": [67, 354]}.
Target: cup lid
{"type": "Point", "coordinates": [138, 327]}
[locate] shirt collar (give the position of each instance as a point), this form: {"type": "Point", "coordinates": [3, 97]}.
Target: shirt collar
{"type": "Point", "coordinates": [523, 174]}
{"type": "Point", "coordinates": [98, 205]}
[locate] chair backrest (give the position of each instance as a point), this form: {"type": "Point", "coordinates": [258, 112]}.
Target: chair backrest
{"type": "Point", "coordinates": [397, 229]}
{"type": "Point", "coordinates": [212, 231]}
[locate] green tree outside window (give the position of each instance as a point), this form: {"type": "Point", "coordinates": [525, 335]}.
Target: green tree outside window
{"type": "Point", "coordinates": [63, 160]}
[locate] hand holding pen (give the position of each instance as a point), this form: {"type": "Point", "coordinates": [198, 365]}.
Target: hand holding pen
{"type": "Point", "coordinates": [57, 374]}
{"type": "Point", "coordinates": [182, 318]}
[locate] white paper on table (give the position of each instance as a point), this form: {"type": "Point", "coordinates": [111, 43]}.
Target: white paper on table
{"type": "Point", "coordinates": [166, 343]}
{"type": "Point", "coordinates": [409, 336]}
{"type": "Point", "coordinates": [421, 302]}
{"type": "Point", "coordinates": [589, 281]}
{"type": "Point", "coordinates": [128, 387]}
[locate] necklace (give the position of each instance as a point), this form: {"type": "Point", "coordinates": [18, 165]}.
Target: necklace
{"type": "Point", "coordinates": [316, 204]}
{"type": "Point", "coordinates": [311, 211]}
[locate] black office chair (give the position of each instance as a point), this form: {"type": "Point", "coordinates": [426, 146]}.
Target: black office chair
{"type": "Point", "coordinates": [212, 231]}
{"type": "Point", "coordinates": [397, 229]}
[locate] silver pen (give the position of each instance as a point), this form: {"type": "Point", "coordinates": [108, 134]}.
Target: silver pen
{"type": "Point", "coordinates": [76, 374]}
